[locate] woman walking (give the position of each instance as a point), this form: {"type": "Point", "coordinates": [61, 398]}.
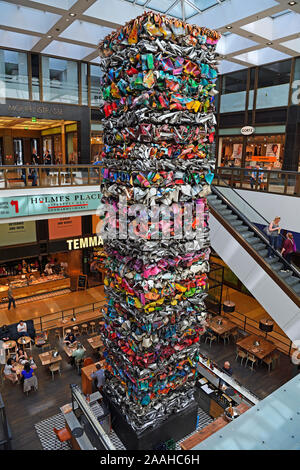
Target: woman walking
{"type": "Point", "coordinates": [289, 247]}
{"type": "Point", "coordinates": [273, 231]}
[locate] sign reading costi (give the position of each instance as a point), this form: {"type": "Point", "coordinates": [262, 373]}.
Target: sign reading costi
{"type": "Point", "coordinates": [86, 242]}
{"type": "Point", "coordinates": [247, 130]}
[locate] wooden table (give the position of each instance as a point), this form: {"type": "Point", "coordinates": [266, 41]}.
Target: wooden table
{"type": "Point", "coordinates": [24, 340]}
{"type": "Point", "coordinates": [46, 358]}
{"type": "Point", "coordinates": [263, 350]}
{"type": "Point", "coordinates": [95, 342]}
{"type": "Point", "coordinates": [10, 344]}
{"type": "Point", "coordinates": [206, 432]}
{"type": "Point", "coordinates": [86, 379]}
{"type": "Point", "coordinates": [80, 318]}
{"type": "Point", "coordinates": [69, 351]}
{"type": "Point", "coordinates": [226, 326]}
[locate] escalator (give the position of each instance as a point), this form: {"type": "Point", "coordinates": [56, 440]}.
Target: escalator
{"type": "Point", "coordinates": [274, 282]}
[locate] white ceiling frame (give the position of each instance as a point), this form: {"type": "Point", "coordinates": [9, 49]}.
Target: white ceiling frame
{"type": "Point", "coordinates": [80, 8]}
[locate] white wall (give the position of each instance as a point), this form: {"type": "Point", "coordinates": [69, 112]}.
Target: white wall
{"type": "Point", "coordinates": [269, 206]}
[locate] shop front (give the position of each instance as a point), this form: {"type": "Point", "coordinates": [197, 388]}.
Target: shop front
{"type": "Point", "coordinates": [247, 151]}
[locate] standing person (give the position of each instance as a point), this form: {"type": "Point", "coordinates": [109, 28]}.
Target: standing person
{"type": "Point", "coordinates": [273, 231]}
{"type": "Point", "coordinates": [99, 376]}
{"type": "Point", "coordinates": [289, 247]}
{"type": "Point", "coordinates": [34, 157]}
{"type": "Point", "coordinates": [47, 160]}
{"type": "Point", "coordinates": [228, 370]}
{"type": "Point", "coordinates": [11, 299]}
{"type": "Point", "coordinates": [254, 174]}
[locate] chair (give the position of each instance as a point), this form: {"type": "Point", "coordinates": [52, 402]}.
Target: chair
{"type": "Point", "coordinates": [252, 359]}
{"type": "Point", "coordinates": [57, 334]}
{"type": "Point", "coordinates": [76, 330]}
{"type": "Point", "coordinates": [225, 337]}
{"type": "Point", "coordinates": [269, 362]}
{"type": "Point", "coordinates": [46, 347]}
{"type": "Point", "coordinates": [93, 326]}
{"type": "Point", "coordinates": [88, 361]}
{"type": "Point", "coordinates": [55, 368]}
{"type": "Point", "coordinates": [210, 338]}
{"type": "Point", "coordinates": [29, 383]}
{"type": "Point", "coordinates": [241, 354]}
{"type": "Point", "coordinates": [235, 335]}
{"type": "Point", "coordinates": [62, 435]}
{"type": "Point", "coordinates": [84, 329]}
{"type": "Point", "coordinates": [276, 356]}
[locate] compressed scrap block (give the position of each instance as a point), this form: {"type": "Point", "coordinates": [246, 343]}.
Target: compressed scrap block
{"type": "Point", "coordinates": [157, 104]}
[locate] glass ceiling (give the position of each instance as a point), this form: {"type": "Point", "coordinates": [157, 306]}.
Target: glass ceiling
{"type": "Point", "coordinates": [183, 9]}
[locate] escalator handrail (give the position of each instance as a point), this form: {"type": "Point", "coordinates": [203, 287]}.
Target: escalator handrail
{"type": "Point", "coordinates": [255, 230]}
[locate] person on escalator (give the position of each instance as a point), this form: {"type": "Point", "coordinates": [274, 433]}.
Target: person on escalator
{"type": "Point", "coordinates": [273, 231]}
{"type": "Point", "coordinates": [289, 247]}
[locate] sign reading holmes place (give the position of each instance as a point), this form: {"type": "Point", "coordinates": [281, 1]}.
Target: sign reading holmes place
{"type": "Point", "coordinates": [24, 206]}
{"type": "Point", "coordinates": [86, 242]}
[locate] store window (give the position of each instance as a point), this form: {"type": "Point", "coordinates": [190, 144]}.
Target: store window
{"type": "Point", "coordinates": [60, 80]}
{"type": "Point", "coordinates": [234, 92]}
{"type": "Point", "coordinates": [230, 151]}
{"type": "Point", "coordinates": [84, 84]}
{"type": "Point", "coordinates": [273, 85]}
{"type": "Point", "coordinates": [14, 75]}
{"type": "Point", "coordinates": [95, 75]}
{"type": "Point", "coordinates": [267, 151]}
{"type": "Point", "coordinates": [72, 147]}
{"type": "Point", "coordinates": [96, 142]}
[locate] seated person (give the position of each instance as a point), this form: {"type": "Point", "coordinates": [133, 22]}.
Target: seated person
{"type": "Point", "coordinates": [48, 270]}
{"type": "Point", "coordinates": [22, 328]}
{"type": "Point", "coordinates": [99, 375]}
{"type": "Point", "coordinates": [70, 339]}
{"type": "Point", "coordinates": [4, 333]}
{"type": "Point", "coordinates": [10, 372]}
{"type": "Point", "coordinates": [21, 356]}
{"type": "Point", "coordinates": [78, 354]}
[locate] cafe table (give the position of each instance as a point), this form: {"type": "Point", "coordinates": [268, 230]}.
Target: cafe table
{"type": "Point", "coordinates": [86, 379]}
{"type": "Point", "coordinates": [24, 341]}
{"type": "Point", "coordinates": [249, 344]}
{"type": "Point", "coordinates": [47, 358]}
{"type": "Point", "coordinates": [221, 325]}
{"type": "Point", "coordinates": [10, 344]}
{"type": "Point", "coordinates": [95, 342]}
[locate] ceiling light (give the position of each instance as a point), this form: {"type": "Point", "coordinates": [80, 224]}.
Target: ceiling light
{"type": "Point", "coordinates": [72, 14]}
{"type": "Point", "coordinates": [269, 43]}
{"type": "Point", "coordinates": [228, 27]}
{"type": "Point", "coordinates": [49, 36]}
{"type": "Point", "coordinates": [292, 3]}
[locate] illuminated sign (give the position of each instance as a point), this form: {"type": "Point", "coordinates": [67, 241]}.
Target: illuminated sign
{"type": "Point", "coordinates": [86, 242]}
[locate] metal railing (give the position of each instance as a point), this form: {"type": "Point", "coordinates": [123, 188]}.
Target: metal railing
{"type": "Point", "coordinates": [48, 176]}
{"type": "Point", "coordinates": [254, 179]}
{"type": "Point", "coordinates": [50, 321]}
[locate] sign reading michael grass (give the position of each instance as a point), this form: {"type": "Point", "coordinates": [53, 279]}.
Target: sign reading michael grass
{"type": "Point", "coordinates": [19, 206]}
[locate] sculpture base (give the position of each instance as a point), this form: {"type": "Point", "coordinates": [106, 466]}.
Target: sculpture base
{"type": "Point", "coordinates": [175, 427]}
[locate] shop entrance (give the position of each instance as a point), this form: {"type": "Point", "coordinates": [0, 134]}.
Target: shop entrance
{"type": "Point", "coordinates": [22, 138]}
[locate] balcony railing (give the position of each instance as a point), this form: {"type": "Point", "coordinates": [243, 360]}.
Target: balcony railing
{"type": "Point", "coordinates": [47, 176]}
{"type": "Point", "coordinates": [271, 181]}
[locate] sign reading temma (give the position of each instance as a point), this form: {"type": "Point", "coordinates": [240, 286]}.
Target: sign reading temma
{"type": "Point", "coordinates": [87, 242]}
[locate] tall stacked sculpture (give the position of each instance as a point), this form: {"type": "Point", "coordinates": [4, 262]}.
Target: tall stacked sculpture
{"type": "Point", "coordinates": [158, 91]}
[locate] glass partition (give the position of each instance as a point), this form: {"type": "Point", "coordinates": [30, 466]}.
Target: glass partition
{"type": "Point", "coordinates": [273, 85]}
{"type": "Point", "coordinates": [95, 75]}
{"type": "Point", "coordinates": [60, 80]}
{"type": "Point", "coordinates": [14, 74]}
{"type": "Point", "coordinates": [234, 92]}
